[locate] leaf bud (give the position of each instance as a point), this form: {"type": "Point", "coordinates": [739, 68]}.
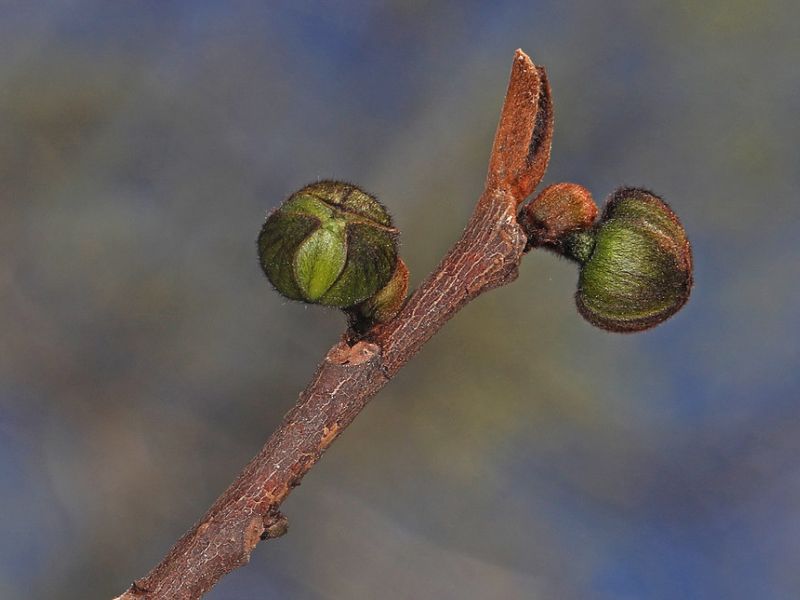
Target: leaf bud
{"type": "Point", "coordinates": [330, 243]}
{"type": "Point", "coordinates": [638, 272]}
{"type": "Point", "coordinates": [557, 212]}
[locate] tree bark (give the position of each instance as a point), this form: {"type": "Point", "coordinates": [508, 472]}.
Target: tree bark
{"type": "Point", "coordinates": [487, 256]}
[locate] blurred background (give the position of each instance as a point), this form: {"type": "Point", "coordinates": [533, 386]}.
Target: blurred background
{"type": "Point", "coordinates": [144, 359]}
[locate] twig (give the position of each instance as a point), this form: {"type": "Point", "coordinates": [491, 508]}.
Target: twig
{"type": "Point", "coordinates": [486, 256]}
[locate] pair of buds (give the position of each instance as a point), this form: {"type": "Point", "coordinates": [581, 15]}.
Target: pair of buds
{"type": "Point", "coordinates": [333, 244]}
{"type": "Point", "coordinates": [635, 260]}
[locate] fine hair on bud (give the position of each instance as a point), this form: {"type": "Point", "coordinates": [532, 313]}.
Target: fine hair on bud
{"type": "Point", "coordinates": [556, 213]}
{"type": "Point", "coordinates": [638, 271]}
{"type": "Point", "coordinates": [329, 243]}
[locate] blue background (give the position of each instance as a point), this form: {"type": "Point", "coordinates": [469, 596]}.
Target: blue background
{"type": "Point", "coordinates": [523, 454]}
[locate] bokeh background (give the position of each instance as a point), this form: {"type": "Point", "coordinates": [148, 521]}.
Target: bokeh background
{"type": "Point", "coordinates": [523, 454]}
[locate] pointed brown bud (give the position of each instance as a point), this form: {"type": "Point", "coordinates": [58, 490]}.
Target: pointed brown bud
{"type": "Point", "coordinates": [521, 149]}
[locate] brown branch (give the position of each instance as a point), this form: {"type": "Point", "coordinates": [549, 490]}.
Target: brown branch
{"type": "Point", "coordinates": [486, 256]}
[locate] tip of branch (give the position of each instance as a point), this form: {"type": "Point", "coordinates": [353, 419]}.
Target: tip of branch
{"type": "Point", "coordinates": [521, 148]}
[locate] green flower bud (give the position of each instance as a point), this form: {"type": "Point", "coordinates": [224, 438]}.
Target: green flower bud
{"type": "Point", "coordinates": [330, 243]}
{"type": "Point", "coordinates": [638, 272]}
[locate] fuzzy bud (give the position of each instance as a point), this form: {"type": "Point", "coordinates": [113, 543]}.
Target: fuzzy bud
{"type": "Point", "coordinates": [330, 243]}
{"type": "Point", "coordinates": [557, 212]}
{"type": "Point", "coordinates": [638, 271]}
